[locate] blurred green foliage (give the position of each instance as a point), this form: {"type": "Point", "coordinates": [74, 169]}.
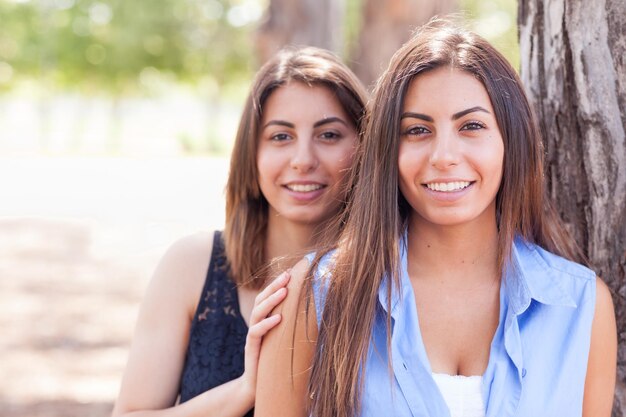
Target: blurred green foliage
{"type": "Point", "coordinates": [496, 21]}
{"type": "Point", "coordinates": [122, 45]}
{"type": "Point", "coordinates": [125, 46]}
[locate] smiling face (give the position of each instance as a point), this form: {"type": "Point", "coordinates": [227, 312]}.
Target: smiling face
{"type": "Point", "coordinates": [451, 151]}
{"type": "Point", "coordinates": [306, 144]}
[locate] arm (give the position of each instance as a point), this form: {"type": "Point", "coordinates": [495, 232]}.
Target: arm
{"type": "Point", "coordinates": [281, 388]}
{"type": "Point", "coordinates": [601, 368]}
{"type": "Point", "coordinates": [151, 379]}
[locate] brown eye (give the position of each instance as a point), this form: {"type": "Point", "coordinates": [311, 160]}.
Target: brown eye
{"type": "Point", "coordinates": [474, 125]}
{"type": "Point", "coordinates": [280, 137]}
{"type": "Point", "coordinates": [417, 131]}
{"type": "Point", "coordinates": [330, 135]}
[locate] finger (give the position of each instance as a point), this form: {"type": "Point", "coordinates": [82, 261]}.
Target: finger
{"type": "Point", "coordinates": [256, 332]}
{"type": "Point", "coordinates": [260, 311]}
{"type": "Point", "coordinates": [252, 350]}
{"type": "Point", "coordinates": [280, 281]}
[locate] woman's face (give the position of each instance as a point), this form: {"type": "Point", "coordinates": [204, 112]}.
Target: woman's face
{"type": "Point", "coordinates": [451, 152]}
{"type": "Point", "coordinates": [306, 145]}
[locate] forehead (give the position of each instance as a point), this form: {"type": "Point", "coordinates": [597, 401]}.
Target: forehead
{"type": "Point", "coordinates": [296, 100]}
{"type": "Point", "coordinates": [446, 89]}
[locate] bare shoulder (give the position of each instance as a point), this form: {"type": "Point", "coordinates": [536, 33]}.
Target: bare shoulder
{"type": "Point", "coordinates": [159, 345]}
{"type": "Point", "coordinates": [287, 353]}
{"type": "Point", "coordinates": [604, 329]}
{"type": "Point", "coordinates": [299, 274]}
{"type": "Point", "coordinates": [294, 304]}
{"type": "Point", "coordinates": [602, 362]}
{"type": "Point", "coordinates": [604, 301]}
{"type": "Point", "coordinates": [604, 316]}
{"type": "Point", "coordinates": [182, 270]}
{"type": "Point", "coordinates": [195, 249]}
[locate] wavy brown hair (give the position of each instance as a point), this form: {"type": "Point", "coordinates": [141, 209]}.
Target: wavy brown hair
{"type": "Point", "coordinates": [246, 207]}
{"type": "Point", "coordinates": [368, 250]}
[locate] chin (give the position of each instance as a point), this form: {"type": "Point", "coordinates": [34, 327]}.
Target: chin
{"type": "Point", "coordinates": [311, 216]}
{"type": "Point", "coordinates": [310, 219]}
{"type": "Point", "coordinates": [452, 219]}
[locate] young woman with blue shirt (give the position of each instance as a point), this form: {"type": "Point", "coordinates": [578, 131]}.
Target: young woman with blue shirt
{"type": "Point", "coordinates": [453, 289]}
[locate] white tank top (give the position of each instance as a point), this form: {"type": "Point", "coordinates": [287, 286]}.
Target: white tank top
{"type": "Point", "coordinates": [462, 394]}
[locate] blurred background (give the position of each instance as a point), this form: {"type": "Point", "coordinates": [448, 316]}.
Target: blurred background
{"type": "Point", "coordinates": [116, 122]}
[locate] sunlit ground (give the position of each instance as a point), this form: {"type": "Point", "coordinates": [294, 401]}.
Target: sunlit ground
{"type": "Point", "coordinates": [79, 237]}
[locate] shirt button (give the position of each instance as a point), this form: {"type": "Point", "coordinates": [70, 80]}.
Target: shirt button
{"type": "Point", "coordinates": [523, 372]}
{"type": "Point", "coordinates": [405, 367]}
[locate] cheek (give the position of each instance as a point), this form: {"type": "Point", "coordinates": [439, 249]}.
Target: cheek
{"type": "Point", "coordinates": [345, 161]}
{"type": "Point", "coordinates": [267, 161]}
{"type": "Point", "coordinates": [496, 160]}
{"type": "Point", "coordinates": [487, 159]}
{"type": "Point", "coordinates": [408, 164]}
{"type": "Point", "coordinates": [341, 159]}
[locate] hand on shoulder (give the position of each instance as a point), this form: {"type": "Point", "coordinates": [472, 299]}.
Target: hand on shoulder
{"type": "Point", "coordinates": [287, 353]}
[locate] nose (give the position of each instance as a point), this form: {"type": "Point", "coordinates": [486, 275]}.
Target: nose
{"type": "Point", "coordinates": [445, 151]}
{"type": "Point", "coordinates": [304, 158]}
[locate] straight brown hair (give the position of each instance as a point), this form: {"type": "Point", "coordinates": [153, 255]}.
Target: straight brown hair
{"type": "Point", "coordinates": [368, 251]}
{"type": "Point", "coordinates": [246, 207]}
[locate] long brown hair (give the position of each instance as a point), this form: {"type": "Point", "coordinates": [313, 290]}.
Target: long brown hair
{"type": "Point", "coordinates": [246, 207]}
{"type": "Point", "coordinates": [368, 249]}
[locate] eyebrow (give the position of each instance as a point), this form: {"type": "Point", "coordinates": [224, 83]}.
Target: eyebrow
{"type": "Point", "coordinates": [319, 123]}
{"type": "Point", "coordinates": [329, 120]}
{"type": "Point", "coordinates": [279, 123]}
{"type": "Point", "coordinates": [455, 116]}
{"type": "Point", "coordinates": [416, 116]}
{"type": "Point", "coordinates": [468, 111]}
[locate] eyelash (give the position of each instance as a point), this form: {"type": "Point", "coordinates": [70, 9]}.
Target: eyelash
{"type": "Point", "coordinates": [330, 136]}
{"type": "Point", "coordinates": [279, 137]}
{"type": "Point", "coordinates": [469, 126]}
{"type": "Point", "coordinates": [476, 125]}
{"type": "Point", "coordinates": [416, 130]}
{"type": "Point", "coordinates": [326, 136]}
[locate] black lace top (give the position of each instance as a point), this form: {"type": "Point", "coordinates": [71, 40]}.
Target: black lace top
{"type": "Point", "coordinates": [218, 332]}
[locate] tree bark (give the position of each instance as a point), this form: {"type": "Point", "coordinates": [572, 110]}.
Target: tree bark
{"type": "Point", "coordinates": [573, 65]}
{"type": "Point", "coordinates": [301, 23]}
{"type": "Point", "coordinates": [386, 25]}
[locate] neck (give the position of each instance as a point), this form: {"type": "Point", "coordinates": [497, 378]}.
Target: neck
{"type": "Point", "coordinates": [466, 253]}
{"type": "Point", "coordinates": [287, 242]}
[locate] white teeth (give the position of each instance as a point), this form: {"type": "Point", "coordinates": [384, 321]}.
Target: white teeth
{"type": "Point", "coordinates": [304, 188]}
{"type": "Point", "coordinates": [448, 186]}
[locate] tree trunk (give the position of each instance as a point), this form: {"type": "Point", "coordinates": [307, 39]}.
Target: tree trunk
{"type": "Point", "coordinates": [386, 25]}
{"type": "Point", "coordinates": [573, 64]}
{"type": "Point", "coordinates": [301, 23]}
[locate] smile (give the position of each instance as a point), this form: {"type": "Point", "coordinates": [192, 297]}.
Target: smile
{"type": "Point", "coordinates": [304, 188]}
{"type": "Point", "coordinates": [448, 187]}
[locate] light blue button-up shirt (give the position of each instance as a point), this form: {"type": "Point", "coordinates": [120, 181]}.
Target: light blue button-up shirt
{"type": "Point", "coordinates": [538, 357]}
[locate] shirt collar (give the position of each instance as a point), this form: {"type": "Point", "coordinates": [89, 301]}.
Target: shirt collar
{"type": "Point", "coordinates": [529, 277]}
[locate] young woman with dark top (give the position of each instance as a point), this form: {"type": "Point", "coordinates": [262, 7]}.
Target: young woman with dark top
{"type": "Point", "coordinates": [200, 326]}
